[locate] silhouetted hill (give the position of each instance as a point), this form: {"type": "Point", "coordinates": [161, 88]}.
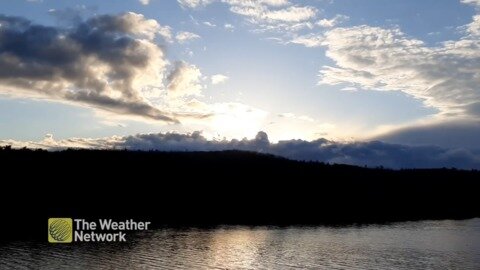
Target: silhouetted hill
{"type": "Point", "coordinates": [212, 188]}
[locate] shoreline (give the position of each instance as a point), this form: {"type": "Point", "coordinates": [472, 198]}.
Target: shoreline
{"type": "Point", "coordinates": [205, 189]}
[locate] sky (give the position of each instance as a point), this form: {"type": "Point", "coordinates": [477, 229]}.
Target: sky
{"type": "Point", "coordinates": [403, 74]}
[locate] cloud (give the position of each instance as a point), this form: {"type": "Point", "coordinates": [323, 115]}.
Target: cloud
{"type": "Point", "coordinates": [110, 63]}
{"type": "Point", "coordinates": [229, 27]}
{"type": "Point", "coordinates": [294, 116]}
{"type": "Point", "coordinates": [194, 3]}
{"type": "Point", "coordinates": [209, 24]}
{"type": "Point", "coordinates": [349, 89]}
{"type": "Point", "coordinates": [50, 143]}
{"type": "Point", "coordinates": [329, 23]}
{"type": "Point", "coordinates": [357, 153]}
{"type": "Point", "coordinates": [474, 27]}
{"type": "Point", "coordinates": [276, 3]}
{"type": "Point", "coordinates": [310, 40]}
{"type": "Point", "coordinates": [144, 2]}
{"type": "Point", "coordinates": [262, 11]}
{"type": "Point", "coordinates": [183, 37]}
{"type": "Point", "coordinates": [253, 3]}
{"type": "Point", "coordinates": [290, 14]}
{"type": "Point", "coordinates": [473, 2]}
{"type": "Point", "coordinates": [219, 79]}
{"type": "Point", "coordinates": [166, 33]}
{"type": "Point", "coordinates": [103, 62]}
{"type": "Point", "coordinates": [458, 134]}
{"type": "Point", "coordinates": [280, 15]}
{"type": "Point", "coordinates": [444, 77]}
{"type": "Point", "coordinates": [184, 80]}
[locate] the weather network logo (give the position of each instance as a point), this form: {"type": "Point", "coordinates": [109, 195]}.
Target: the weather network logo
{"type": "Point", "coordinates": [60, 230]}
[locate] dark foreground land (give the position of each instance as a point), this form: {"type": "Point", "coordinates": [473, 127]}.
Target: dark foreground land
{"type": "Point", "coordinates": [215, 188]}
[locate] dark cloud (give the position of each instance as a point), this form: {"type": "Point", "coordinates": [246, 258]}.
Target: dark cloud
{"type": "Point", "coordinates": [359, 153]}
{"type": "Point", "coordinates": [457, 134]}
{"type": "Point", "coordinates": [120, 106]}
{"type": "Point", "coordinates": [102, 62]}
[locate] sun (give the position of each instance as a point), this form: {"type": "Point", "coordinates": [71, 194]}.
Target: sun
{"type": "Point", "coordinates": [234, 120]}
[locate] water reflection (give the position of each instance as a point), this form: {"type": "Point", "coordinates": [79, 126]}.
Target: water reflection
{"type": "Point", "coordinates": [412, 245]}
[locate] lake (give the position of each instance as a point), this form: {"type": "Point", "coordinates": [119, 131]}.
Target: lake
{"type": "Point", "coordinates": [408, 245]}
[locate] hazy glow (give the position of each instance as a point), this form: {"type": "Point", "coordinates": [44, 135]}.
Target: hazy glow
{"type": "Point", "coordinates": [237, 120]}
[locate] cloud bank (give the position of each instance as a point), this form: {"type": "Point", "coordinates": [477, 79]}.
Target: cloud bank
{"type": "Point", "coordinates": [370, 154]}
{"type": "Point", "coordinates": [458, 134]}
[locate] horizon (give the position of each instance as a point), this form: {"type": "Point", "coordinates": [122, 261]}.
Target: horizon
{"type": "Point", "coordinates": [392, 84]}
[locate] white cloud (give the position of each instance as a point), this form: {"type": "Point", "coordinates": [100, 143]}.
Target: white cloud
{"type": "Point", "coordinates": [474, 27]}
{"type": "Point", "coordinates": [219, 79]}
{"type": "Point", "coordinates": [445, 77]}
{"type": "Point", "coordinates": [275, 2]}
{"type": "Point", "coordinates": [277, 15]}
{"type": "Point", "coordinates": [253, 3]}
{"type": "Point", "coordinates": [305, 118]}
{"type": "Point", "coordinates": [137, 24]}
{"type": "Point", "coordinates": [184, 80]}
{"type": "Point", "coordinates": [263, 13]}
{"type": "Point", "coordinates": [473, 2]}
{"type": "Point", "coordinates": [349, 89]}
{"type": "Point", "coordinates": [229, 27]}
{"type": "Point", "coordinates": [184, 36]}
{"type": "Point", "coordinates": [194, 3]}
{"type": "Point", "coordinates": [209, 24]}
{"type": "Point", "coordinates": [166, 33]}
{"type": "Point", "coordinates": [311, 40]}
{"type": "Point", "coordinates": [326, 23]}
{"type": "Point", "coordinates": [291, 14]}
{"type": "Point", "coordinates": [144, 2]}
{"type": "Point", "coordinates": [189, 52]}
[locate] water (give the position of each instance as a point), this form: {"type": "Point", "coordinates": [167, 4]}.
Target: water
{"type": "Point", "coordinates": [410, 245]}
